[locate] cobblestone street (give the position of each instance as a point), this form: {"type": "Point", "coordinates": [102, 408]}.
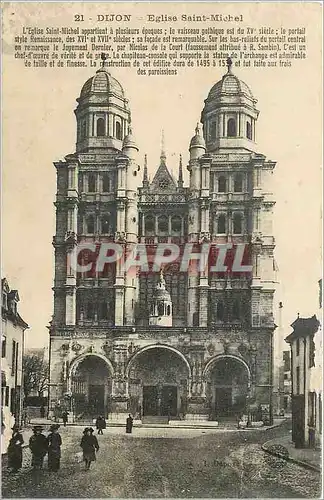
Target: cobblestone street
{"type": "Point", "coordinates": [168, 463]}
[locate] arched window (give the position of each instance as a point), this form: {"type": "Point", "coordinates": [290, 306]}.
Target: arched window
{"type": "Point", "coordinates": [231, 127]}
{"type": "Point", "coordinates": [236, 309]}
{"type": "Point", "coordinates": [83, 129]}
{"type": "Point", "coordinates": [106, 183]}
{"type": "Point", "coordinates": [195, 319]}
{"type": "Point", "coordinates": [90, 224]}
{"type": "Point", "coordinates": [168, 310]}
{"type": "Point", "coordinates": [118, 131]}
{"type": "Point", "coordinates": [100, 127]}
{"type": "Point", "coordinates": [176, 224]}
{"type": "Point", "coordinates": [103, 310]}
{"type": "Point", "coordinates": [237, 223]}
{"type": "Point", "coordinates": [212, 131]}
{"type": "Point", "coordinates": [105, 224]}
{"type": "Point", "coordinates": [160, 309]}
{"type": "Point", "coordinates": [221, 224]}
{"type": "Point", "coordinates": [222, 184]}
{"type": "Point", "coordinates": [220, 312]}
{"type": "Point", "coordinates": [163, 224]}
{"type": "Point", "coordinates": [91, 183]}
{"type": "Point", "coordinates": [90, 311]}
{"type": "Point", "coordinates": [248, 130]}
{"type": "Point", "coordinates": [149, 224]}
{"type": "Point", "coordinates": [238, 183]}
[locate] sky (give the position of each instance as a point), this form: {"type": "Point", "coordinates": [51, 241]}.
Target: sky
{"type": "Point", "coordinates": [38, 128]}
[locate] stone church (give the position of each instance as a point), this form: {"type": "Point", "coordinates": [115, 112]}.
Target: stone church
{"type": "Point", "coordinates": [170, 344]}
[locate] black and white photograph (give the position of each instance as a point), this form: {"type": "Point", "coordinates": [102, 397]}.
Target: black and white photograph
{"type": "Point", "coordinates": [161, 250]}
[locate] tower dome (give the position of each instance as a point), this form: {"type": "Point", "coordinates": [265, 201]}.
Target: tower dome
{"type": "Point", "coordinates": [229, 115]}
{"type": "Point", "coordinates": [102, 82]}
{"type": "Point", "coordinates": [230, 85]}
{"type": "Point", "coordinates": [103, 114]}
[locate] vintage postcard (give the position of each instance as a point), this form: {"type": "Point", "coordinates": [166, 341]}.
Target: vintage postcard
{"type": "Point", "coordinates": [162, 259]}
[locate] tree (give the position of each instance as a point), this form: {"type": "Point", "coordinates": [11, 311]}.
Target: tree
{"type": "Point", "coordinates": [36, 374]}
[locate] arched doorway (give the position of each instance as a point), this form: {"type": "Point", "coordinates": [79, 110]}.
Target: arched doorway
{"type": "Point", "coordinates": [228, 383]}
{"type": "Point", "coordinates": [158, 383]}
{"type": "Point", "coordinates": [91, 383]}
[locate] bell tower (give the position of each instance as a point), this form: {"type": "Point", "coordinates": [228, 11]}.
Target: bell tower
{"type": "Point", "coordinates": [229, 115]}
{"type": "Point", "coordinates": [103, 115]}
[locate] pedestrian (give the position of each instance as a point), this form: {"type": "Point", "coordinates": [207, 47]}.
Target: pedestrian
{"type": "Point", "coordinates": [54, 442]}
{"type": "Point", "coordinates": [129, 424]}
{"type": "Point", "coordinates": [15, 449]}
{"type": "Point", "coordinates": [65, 415]}
{"type": "Point", "coordinates": [89, 445]}
{"type": "Point", "coordinates": [38, 446]}
{"type": "Point", "coordinates": [100, 424]}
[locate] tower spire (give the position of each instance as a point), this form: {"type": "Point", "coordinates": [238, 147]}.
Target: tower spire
{"type": "Point", "coordinates": [229, 64]}
{"type": "Point", "coordinates": [163, 155]}
{"type": "Point", "coordinates": [180, 176]}
{"type": "Point", "coordinates": [145, 176]}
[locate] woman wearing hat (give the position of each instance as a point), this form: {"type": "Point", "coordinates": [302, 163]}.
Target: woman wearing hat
{"type": "Point", "coordinates": [54, 442]}
{"type": "Point", "coordinates": [38, 446]}
{"type": "Point", "coordinates": [15, 449]}
{"type": "Point", "coordinates": [89, 445]}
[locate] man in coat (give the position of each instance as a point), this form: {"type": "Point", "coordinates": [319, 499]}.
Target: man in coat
{"type": "Point", "coordinates": [65, 416]}
{"type": "Point", "coordinates": [129, 424]}
{"type": "Point", "coordinates": [38, 446]}
{"type": "Point", "coordinates": [100, 424]}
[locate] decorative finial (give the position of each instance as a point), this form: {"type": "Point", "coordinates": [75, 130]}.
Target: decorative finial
{"type": "Point", "coordinates": [145, 177]}
{"type": "Point", "coordinates": [297, 315]}
{"type": "Point", "coordinates": [162, 280]}
{"type": "Point", "coordinates": [103, 59]}
{"type": "Point", "coordinates": [180, 177]}
{"type": "Point", "coordinates": [163, 155]}
{"type": "Point", "coordinates": [229, 64]}
{"type": "Point", "coordinates": [197, 130]}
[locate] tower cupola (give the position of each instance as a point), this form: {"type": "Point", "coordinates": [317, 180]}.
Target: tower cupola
{"type": "Point", "coordinates": [197, 144]}
{"type": "Point", "coordinates": [229, 115]}
{"type": "Point", "coordinates": [103, 114]}
{"type": "Point", "coordinates": [161, 307]}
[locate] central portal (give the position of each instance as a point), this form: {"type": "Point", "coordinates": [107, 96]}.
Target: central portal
{"type": "Point", "coordinates": [158, 382]}
{"type": "Point", "coordinates": [160, 401]}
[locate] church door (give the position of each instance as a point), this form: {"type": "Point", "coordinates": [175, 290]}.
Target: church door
{"type": "Point", "coordinates": [223, 401]}
{"type": "Point", "coordinates": [150, 400]}
{"type": "Point", "coordinates": [169, 401]}
{"type": "Point", "coordinates": [97, 399]}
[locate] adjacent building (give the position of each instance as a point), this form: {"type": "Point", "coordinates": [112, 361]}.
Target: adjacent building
{"type": "Point", "coordinates": [286, 382]}
{"type": "Point", "coordinates": [174, 342]}
{"type": "Point", "coordinates": [306, 381]}
{"type": "Point", "coordinates": [12, 344]}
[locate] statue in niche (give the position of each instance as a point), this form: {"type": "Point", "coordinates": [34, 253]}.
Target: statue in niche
{"type": "Point", "coordinates": [65, 348]}
{"type": "Point", "coordinates": [211, 349]}
{"type": "Point", "coordinates": [76, 347]}
{"type": "Point", "coordinates": [107, 348]}
{"type": "Point", "coordinates": [226, 346]}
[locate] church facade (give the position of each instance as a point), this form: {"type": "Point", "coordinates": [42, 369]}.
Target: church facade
{"type": "Point", "coordinates": [173, 343]}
